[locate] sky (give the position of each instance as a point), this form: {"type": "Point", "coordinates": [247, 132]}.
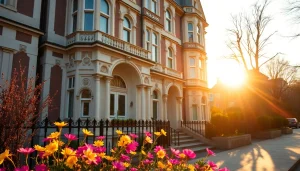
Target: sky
{"type": "Point", "coordinates": [218, 14]}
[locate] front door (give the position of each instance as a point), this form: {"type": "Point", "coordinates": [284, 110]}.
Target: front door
{"type": "Point", "coordinates": [118, 108]}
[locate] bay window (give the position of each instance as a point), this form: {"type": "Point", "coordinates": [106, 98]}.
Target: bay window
{"type": "Point", "coordinates": [192, 70]}
{"type": "Point", "coordinates": [88, 15]}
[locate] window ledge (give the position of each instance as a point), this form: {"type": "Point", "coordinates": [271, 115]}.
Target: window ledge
{"type": "Point", "coordinates": [12, 8]}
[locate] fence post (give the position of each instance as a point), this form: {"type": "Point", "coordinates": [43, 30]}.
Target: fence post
{"type": "Point", "coordinates": [45, 129]}
{"type": "Point", "coordinates": [101, 127]}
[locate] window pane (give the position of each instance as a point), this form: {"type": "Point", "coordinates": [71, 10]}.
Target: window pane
{"type": "Point", "coordinates": [88, 21]}
{"type": "Point", "coordinates": [75, 5]}
{"type": "Point", "coordinates": [168, 15]}
{"type": "Point", "coordinates": [71, 102]}
{"type": "Point", "coordinates": [195, 114]}
{"type": "Point", "coordinates": [147, 35]}
{"type": "Point", "coordinates": [70, 82]}
{"type": "Point", "coordinates": [104, 24]}
{"type": "Point", "coordinates": [126, 23]}
{"type": "Point", "coordinates": [126, 35]}
{"type": "Point", "coordinates": [86, 109]}
{"type": "Point", "coordinates": [89, 4]}
{"type": "Point", "coordinates": [170, 53]}
{"type": "Point", "coordinates": [192, 61]}
{"type": "Point", "coordinates": [190, 27]}
{"type": "Point", "coordinates": [153, 6]}
{"type": "Point", "coordinates": [170, 63]}
{"type": "Point", "coordinates": [192, 73]}
{"type": "Point", "coordinates": [112, 104]}
{"type": "Point", "coordinates": [168, 25]}
{"type": "Point", "coordinates": [198, 29]}
{"type": "Point", "coordinates": [190, 35]}
{"type": "Point", "coordinates": [121, 105]}
{"type": "Point", "coordinates": [73, 81]}
{"type": "Point", "coordinates": [104, 7]}
{"type": "Point", "coordinates": [154, 53]}
{"type": "Point", "coordinates": [74, 23]}
{"type": "Point", "coordinates": [155, 96]}
{"type": "Point", "coordinates": [154, 38]}
{"type": "Point", "coordinates": [155, 110]}
{"type": "Point", "coordinates": [200, 64]}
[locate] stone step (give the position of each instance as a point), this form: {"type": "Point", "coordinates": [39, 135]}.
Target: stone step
{"type": "Point", "coordinates": [191, 145]}
{"type": "Point", "coordinates": [187, 141]}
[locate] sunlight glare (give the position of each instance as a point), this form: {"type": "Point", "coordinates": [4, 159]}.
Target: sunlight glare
{"type": "Point", "coordinates": [232, 75]}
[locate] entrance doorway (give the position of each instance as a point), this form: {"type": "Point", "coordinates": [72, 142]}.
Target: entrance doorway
{"type": "Point", "coordinates": [118, 107]}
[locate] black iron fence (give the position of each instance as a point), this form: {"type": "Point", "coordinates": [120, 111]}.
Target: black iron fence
{"type": "Point", "coordinates": [197, 127]}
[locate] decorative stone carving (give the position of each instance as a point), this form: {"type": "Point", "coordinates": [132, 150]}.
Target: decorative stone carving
{"type": "Point", "coordinates": [86, 82]}
{"type": "Point", "coordinates": [86, 58]}
{"type": "Point", "coordinates": [23, 48]}
{"type": "Point", "coordinates": [104, 69]}
{"type": "Point", "coordinates": [71, 61]}
{"type": "Point", "coordinates": [57, 62]}
{"type": "Point", "coordinates": [146, 80]}
{"type": "Point", "coordinates": [113, 59]}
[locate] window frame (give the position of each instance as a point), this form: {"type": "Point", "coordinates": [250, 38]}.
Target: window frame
{"type": "Point", "coordinates": [90, 11]}
{"type": "Point", "coordinates": [148, 40]}
{"type": "Point", "coordinates": [83, 101]}
{"type": "Point", "coordinates": [192, 67]}
{"type": "Point", "coordinates": [168, 21]}
{"type": "Point", "coordinates": [154, 6]}
{"type": "Point", "coordinates": [155, 100]}
{"type": "Point", "coordinates": [203, 108]}
{"type": "Point", "coordinates": [104, 15]}
{"type": "Point", "coordinates": [170, 57]}
{"type": "Point", "coordinates": [195, 108]}
{"type": "Point", "coordinates": [199, 34]}
{"type": "Point", "coordinates": [70, 88]}
{"type": "Point", "coordinates": [4, 2]}
{"type": "Point", "coordinates": [74, 14]}
{"type": "Point", "coordinates": [190, 32]}
{"type": "Point", "coordinates": [128, 30]}
{"type": "Point", "coordinates": [154, 56]}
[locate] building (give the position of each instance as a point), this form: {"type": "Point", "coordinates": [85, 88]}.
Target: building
{"type": "Point", "coordinates": [108, 59]}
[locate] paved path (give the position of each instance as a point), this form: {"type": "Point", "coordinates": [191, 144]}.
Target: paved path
{"type": "Point", "coordinates": [278, 154]}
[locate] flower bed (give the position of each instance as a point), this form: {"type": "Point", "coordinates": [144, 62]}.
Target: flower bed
{"type": "Point", "coordinates": [57, 155]}
{"type": "Point", "coordinates": [269, 134]}
{"type": "Point", "coordinates": [286, 130]}
{"type": "Point", "coordinates": [226, 143]}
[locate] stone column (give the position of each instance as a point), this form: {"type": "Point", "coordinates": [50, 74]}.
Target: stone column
{"type": "Point", "coordinates": [97, 97]}
{"type": "Point", "coordinates": [148, 103]}
{"type": "Point", "coordinates": [138, 103]}
{"type": "Point", "coordinates": [107, 97]}
{"type": "Point", "coordinates": [143, 106]}
{"type": "Point", "coordinates": [179, 104]}
{"type": "Point", "coordinates": [165, 101]}
{"type": "Point", "coordinates": [97, 15]}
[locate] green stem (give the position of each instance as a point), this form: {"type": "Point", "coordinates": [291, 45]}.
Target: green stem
{"type": "Point", "coordinates": [27, 160]}
{"type": "Point", "coordinates": [11, 161]}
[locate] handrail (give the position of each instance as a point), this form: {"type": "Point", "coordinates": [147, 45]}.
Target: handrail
{"type": "Point", "coordinates": [197, 127]}
{"type": "Point", "coordinates": [174, 136]}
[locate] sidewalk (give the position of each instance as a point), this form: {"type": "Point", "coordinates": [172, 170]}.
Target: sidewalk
{"type": "Point", "coordinates": [278, 154]}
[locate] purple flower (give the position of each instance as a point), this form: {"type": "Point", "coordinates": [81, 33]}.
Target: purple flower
{"type": "Point", "coordinates": [147, 133]}
{"type": "Point", "coordinates": [124, 158]}
{"type": "Point", "coordinates": [189, 153]}
{"type": "Point", "coordinates": [174, 161]}
{"type": "Point", "coordinates": [210, 153]}
{"type": "Point", "coordinates": [41, 167]}
{"type": "Point", "coordinates": [224, 169]}
{"type": "Point", "coordinates": [70, 137]}
{"type": "Point", "coordinates": [157, 148]}
{"type": "Point", "coordinates": [175, 152]}
{"type": "Point", "coordinates": [118, 166]}
{"type": "Point", "coordinates": [212, 164]}
{"type": "Point", "coordinates": [133, 136]}
{"type": "Point", "coordinates": [132, 146]}
{"type": "Point", "coordinates": [23, 168]}
{"type": "Point", "coordinates": [100, 138]}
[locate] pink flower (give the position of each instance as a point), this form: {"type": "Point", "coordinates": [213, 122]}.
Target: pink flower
{"type": "Point", "coordinates": [41, 167]}
{"type": "Point", "coordinates": [210, 153]}
{"type": "Point", "coordinates": [41, 155]}
{"type": "Point", "coordinates": [149, 155]}
{"type": "Point", "coordinates": [133, 169]}
{"type": "Point", "coordinates": [175, 152]}
{"type": "Point", "coordinates": [174, 161]}
{"type": "Point", "coordinates": [118, 166]}
{"type": "Point", "coordinates": [224, 169]}
{"type": "Point", "coordinates": [189, 153]}
{"type": "Point", "coordinates": [99, 149]}
{"type": "Point", "coordinates": [147, 133]}
{"type": "Point", "coordinates": [25, 151]}
{"type": "Point", "coordinates": [157, 148]}
{"type": "Point", "coordinates": [146, 162]}
{"type": "Point", "coordinates": [212, 164]}
{"type": "Point", "coordinates": [133, 136]}
{"type": "Point", "coordinates": [2, 169]}
{"type": "Point", "coordinates": [100, 138]}
{"type": "Point", "coordinates": [124, 158]}
{"type": "Point", "coordinates": [23, 168]}
{"type": "Point", "coordinates": [47, 139]}
{"type": "Point", "coordinates": [132, 146]}
{"type": "Point", "coordinates": [70, 137]}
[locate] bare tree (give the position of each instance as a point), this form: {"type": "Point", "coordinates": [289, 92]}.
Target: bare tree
{"type": "Point", "coordinates": [248, 37]}
{"type": "Point", "coordinates": [293, 10]}
{"type": "Point", "coordinates": [282, 74]}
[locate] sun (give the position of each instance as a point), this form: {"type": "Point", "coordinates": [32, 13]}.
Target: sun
{"type": "Point", "coordinates": [232, 75]}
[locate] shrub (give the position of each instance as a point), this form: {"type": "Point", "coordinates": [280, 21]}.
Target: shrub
{"type": "Point", "coordinates": [264, 122]}
{"type": "Point", "coordinates": [221, 124]}
{"type": "Point", "coordinates": [210, 130]}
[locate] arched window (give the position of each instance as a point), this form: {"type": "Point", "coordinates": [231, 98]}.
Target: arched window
{"type": "Point", "coordinates": [126, 29]}
{"type": "Point", "coordinates": [154, 47]}
{"type": "Point", "coordinates": [199, 34]}
{"type": "Point", "coordinates": [104, 16]}
{"type": "Point", "coordinates": [85, 99]}
{"type": "Point", "coordinates": [117, 82]}
{"type": "Point", "coordinates": [155, 104]}
{"type": "Point", "coordinates": [88, 15]}
{"type": "Point", "coordinates": [170, 58]}
{"type": "Point", "coordinates": [168, 21]}
{"type": "Point", "coordinates": [203, 108]}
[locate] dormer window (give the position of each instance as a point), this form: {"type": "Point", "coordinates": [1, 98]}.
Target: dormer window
{"type": "Point", "coordinates": [190, 32]}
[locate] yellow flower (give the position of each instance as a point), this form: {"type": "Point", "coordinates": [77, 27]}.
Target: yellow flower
{"type": "Point", "coordinates": [157, 134]}
{"type": "Point", "coordinates": [90, 155]}
{"type": "Point", "coordinates": [113, 151]}
{"type": "Point", "coordinates": [124, 140]}
{"type": "Point", "coordinates": [98, 143]}
{"type": "Point", "coordinates": [160, 165]}
{"type": "Point", "coordinates": [182, 156]}
{"type": "Point", "coordinates": [125, 164]}
{"type": "Point", "coordinates": [163, 132]}
{"type": "Point", "coordinates": [161, 154]}
{"type": "Point", "coordinates": [39, 148]}
{"type": "Point", "coordinates": [191, 167]}
{"type": "Point", "coordinates": [61, 143]}
{"type": "Point", "coordinates": [68, 152]}
{"type": "Point", "coordinates": [54, 135]}
{"type": "Point", "coordinates": [71, 161]}
{"type": "Point", "coordinates": [60, 124]}
{"type": "Point", "coordinates": [109, 158]}
{"type": "Point", "coordinates": [148, 140]}
{"type": "Point", "coordinates": [101, 155]}
{"type": "Point", "coordinates": [143, 152]}
{"type": "Point", "coordinates": [119, 132]}
{"type": "Point", "coordinates": [4, 155]}
{"type": "Point", "coordinates": [87, 132]}
{"type": "Point", "coordinates": [51, 148]}
{"type": "Point", "coordinates": [133, 152]}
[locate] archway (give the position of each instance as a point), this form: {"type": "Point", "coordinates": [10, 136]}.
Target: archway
{"type": "Point", "coordinates": [123, 91]}
{"type": "Point", "coordinates": [173, 106]}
